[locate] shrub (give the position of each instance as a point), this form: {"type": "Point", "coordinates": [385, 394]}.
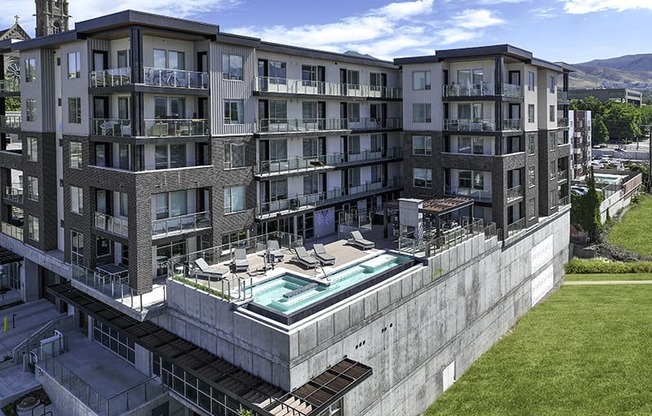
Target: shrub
{"type": "Point", "coordinates": [202, 287]}
{"type": "Point", "coordinates": [596, 266]}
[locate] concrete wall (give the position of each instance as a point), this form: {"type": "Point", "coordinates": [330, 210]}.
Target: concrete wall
{"type": "Point", "coordinates": [62, 399]}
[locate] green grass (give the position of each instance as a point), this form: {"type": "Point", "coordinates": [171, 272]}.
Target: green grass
{"type": "Point", "coordinates": [631, 232]}
{"type": "Point", "coordinates": [606, 276]}
{"type": "Point", "coordinates": [584, 351]}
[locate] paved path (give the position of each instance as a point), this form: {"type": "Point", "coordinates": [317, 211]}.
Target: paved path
{"type": "Point", "coordinates": [608, 282]}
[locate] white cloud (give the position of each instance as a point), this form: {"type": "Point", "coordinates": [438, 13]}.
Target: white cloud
{"type": "Point", "coordinates": [544, 13]}
{"type": "Point", "coordinates": [455, 35]}
{"type": "Point", "coordinates": [491, 2]}
{"type": "Point", "coordinates": [590, 6]}
{"type": "Point", "coordinates": [403, 10]}
{"type": "Point", "coordinates": [476, 19]}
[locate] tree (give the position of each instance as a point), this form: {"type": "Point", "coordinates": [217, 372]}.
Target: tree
{"type": "Point", "coordinates": [589, 103]}
{"type": "Point", "coordinates": [585, 210]}
{"type": "Point", "coordinates": [622, 120]}
{"type": "Point", "coordinates": [600, 133]}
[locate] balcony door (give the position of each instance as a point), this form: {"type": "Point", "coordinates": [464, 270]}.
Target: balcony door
{"type": "Point", "coordinates": [100, 60]}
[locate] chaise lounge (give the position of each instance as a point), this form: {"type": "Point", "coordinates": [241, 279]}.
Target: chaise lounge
{"type": "Point", "coordinates": [240, 263]}
{"type": "Point", "coordinates": [214, 270]}
{"type": "Point", "coordinates": [321, 255]}
{"type": "Point", "coordinates": [304, 258]}
{"type": "Point", "coordinates": [274, 253]}
{"type": "Point", "coordinates": [359, 241]}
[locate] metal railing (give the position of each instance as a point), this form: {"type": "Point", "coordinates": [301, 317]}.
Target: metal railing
{"type": "Point", "coordinates": [111, 127]}
{"type": "Point", "coordinates": [110, 224]}
{"type": "Point", "coordinates": [61, 323]}
{"type": "Point", "coordinates": [515, 192]}
{"type": "Point", "coordinates": [176, 127]}
{"type": "Point", "coordinates": [388, 123]}
{"type": "Point", "coordinates": [9, 85]}
{"type": "Point", "coordinates": [110, 77]}
{"type": "Point", "coordinates": [10, 122]}
{"type": "Point", "coordinates": [566, 200]}
{"type": "Point", "coordinates": [176, 78]}
{"type": "Point", "coordinates": [14, 194]}
{"type": "Point", "coordinates": [298, 86]}
{"type": "Point", "coordinates": [12, 230]}
{"type": "Point", "coordinates": [181, 224]}
{"type": "Point", "coordinates": [453, 124]}
{"type": "Point", "coordinates": [515, 227]}
{"type": "Point", "coordinates": [479, 194]}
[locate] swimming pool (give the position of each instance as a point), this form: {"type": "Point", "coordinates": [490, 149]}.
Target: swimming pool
{"type": "Point", "coordinates": [289, 294]}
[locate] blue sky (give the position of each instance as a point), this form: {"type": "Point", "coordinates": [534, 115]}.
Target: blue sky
{"type": "Point", "coordinates": [556, 30]}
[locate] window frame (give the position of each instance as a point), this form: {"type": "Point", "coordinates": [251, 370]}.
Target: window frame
{"type": "Point", "coordinates": [228, 199]}
{"type": "Point", "coordinates": [229, 71]}
{"type": "Point", "coordinates": [426, 111]}
{"type": "Point", "coordinates": [228, 156]}
{"type": "Point", "coordinates": [531, 80]}
{"type": "Point", "coordinates": [32, 149]}
{"type": "Point", "coordinates": [422, 178]}
{"type": "Point", "coordinates": [74, 110]}
{"type": "Point", "coordinates": [30, 109]}
{"type": "Point", "coordinates": [76, 200]}
{"type": "Point", "coordinates": [76, 156]}
{"type": "Point", "coordinates": [74, 65]}
{"type": "Point", "coordinates": [531, 113]}
{"type": "Point", "coordinates": [228, 111]}
{"type": "Point", "coordinates": [30, 69]}
{"type": "Point", "coordinates": [424, 83]}
{"type": "Point", "coordinates": [32, 188]}
{"type": "Point", "coordinates": [33, 228]}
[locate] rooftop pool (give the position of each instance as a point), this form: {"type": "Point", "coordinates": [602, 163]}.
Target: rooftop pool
{"type": "Point", "coordinates": [289, 298]}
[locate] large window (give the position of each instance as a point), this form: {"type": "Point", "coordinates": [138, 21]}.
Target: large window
{"type": "Point", "coordinates": [353, 110]}
{"type": "Point", "coordinates": [32, 149]}
{"type": "Point", "coordinates": [470, 76]}
{"type": "Point", "coordinates": [309, 75]}
{"type": "Point", "coordinates": [530, 113]}
{"type": "Point", "coordinates": [74, 65]}
{"type": "Point", "coordinates": [421, 113]}
{"type": "Point", "coordinates": [422, 178]}
{"type": "Point", "coordinates": [30, 70]}
{"type": "Point", "coordinates": [114, 340]}
{"type": "Point", "coordinates": [76, 247]}
{"type": "Point", "coordinates": [471, 179]}
{"type": "Point", "coordinates": [421, 145]}
{"type": "Point", "coordinates": [75, 155]}
{"type": "Point", "coordinates": [232, 67]}
{"type": "Point", "coordinates": [233, 112]}
{"type": "Point", "coordinates": [552, 169]}
{"type": "Point", "coordinates": [552, 113]}
{"type": "Point", "coordinates": [33, 227]}
{"type": "Point", "coordinates": [30, 109]}
{"type": "Point", "coordinates": [552, 83]}
{"type": "Point", "coordinates": [471, 145]}
{"type": "Point", "coordinates": [74, 110]}
{"type": "Point", "coordinates": [234, 155]}
{"type": "Point", "coordinates": [234, 199]}
{"type": "Point", "coordinates": [32, 188]}
{"type": "Point", "coordinates": [76, 200]}
{"type": "Point", "coordinates": [171, 204]}
{"type": "Point", "coordinates": [310, 184]}
{"type": "Point", "coordinates": [277, 72]}
{"type": "Point", "coordinates": [472, 112]}
{"type": "Point", "coordinates": [530, 81]}
{"type": "Point", "coordinates": [170, 156]}
{"type": "Point", "coordinates": [421, 80]}
{"type": "Point", "coordinates": [169, 59]}
{"type": "Point", "coordinates": [278, 149]}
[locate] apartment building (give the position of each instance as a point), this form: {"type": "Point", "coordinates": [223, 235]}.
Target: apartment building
{"type": "Point", "coordinates": [580, 132]}
{"type": "Point", "coordinates": [488, 123]}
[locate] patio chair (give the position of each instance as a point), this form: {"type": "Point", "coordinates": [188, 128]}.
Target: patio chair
{"type": "Point", "coordinates": [274, 253]}
{"type": "Point", "coordinates": [321, 255]}
{"type": "Point", "coordinates": [240, 263]}
{"type": "Point", "coordinates": [359, 241]}
{"type": "Point", "coordinates": [212, 270]}
{"type": "Point", "coordinates": [304, 258]}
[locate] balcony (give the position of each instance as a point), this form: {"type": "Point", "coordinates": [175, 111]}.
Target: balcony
{"type": "Point", "coordinates": [305, 87]}
{"type": "Point", "coordinates": [295, 203]}
{"type": "Point", "coordinates": [469, 124]}
{"type": "Point", "coordinates": [562, 122]}
{"type": "Point", "coordinates": [155, 77]}
{"type": "Point", "coordinates": [299, 125]}
{"type": "Point", "coordinates": [513, 124]}
{"type": "Point", "coordinates": [9, 85]}
{"type": "Point", "coordinates": [181, 224]}
{"type": "Point", "coordinates": [12, 230]}
{"type": "Point", "coordinates": [110, 77]}
{"type": "Point", "coordinates": [365, 187]}
{"type": "Point", "coordinates": [111, 127]}
{"type": "Point", "coordinates": [514, 193]}
{"type": "Point", "coordinates": [562, 96]}
{"type": "Point", "coordinates": [10, 122]}
{"type": "Point", "coordinates": [392, 123]}
{"type": "Point", "coordinates": [477, 194]}
{"type": "Point", "coordinates": [484, 89]}
{"type": "Point", "coordinates": [112, 225]}
{"type": "Point", "coordinates": [562, 175]}
{"type": "Point", "coordinates": [516, 227]}
{"type": "Point", "coordinates": [14, 195]}
{"type": "Point", "coordinates": [512, 90]}
{"type": "Point", "coordinates": [176, 127]}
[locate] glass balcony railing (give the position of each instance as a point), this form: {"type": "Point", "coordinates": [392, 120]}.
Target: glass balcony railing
{"type": "Point", "coordinates": [562, 175]}
{"type": "Point", "coordinates": [512, 124]}
{"type": "Point", "coordinates": [484, 89]}
{"type": "Point", "coordinates": [9, 85]}
{"type": "Point", "coordinates": [514, 192]}
{"type": "Point", "coordinates": [478, 194]}
{"type": "Point", "coordinates": [469, 124]}
{"type": "Point", "coordinates": [12, 230]}
{"type": "Point", "coordinates": [176, 127]}
{"type": "Point", "coordinates": [515, 227]}
{"type": "Point", "coordinates": [110, 77]}
{"type": "Point", "coordinates": [298, 125]}
{"type": "Point", "coordinates": [10, 122]}
{"type": "Point", "coordinates": [176, 78]}
{"type": "Point", "coordinates": [562, 95]}
{"type": "Point", "coordinates": [512, 90]}
{"type": "Point", "coordinates": [562, 122]}
{"type": "Point", "coordinates": [111, 127]}
{"type": "Point", "coordinates": [298, 86]}
{"type": "Point", "coordinates": [181, 224]}
{"type": "Point", "coordinates": [110, 224]}
{"type": "Point", "coordinates": [14, 194]}
{"type": "Point", "coordinates": [375, 123]}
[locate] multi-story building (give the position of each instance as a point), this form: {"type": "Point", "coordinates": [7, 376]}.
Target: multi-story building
{"type": "Point", "coordinates": [580, 133]}
{"type": "Point", "coordinates": [489, 123]}
{"type": "Point", "coordinates": [620, 95]}
{"type": "Point", "coordinates": [144, 140]}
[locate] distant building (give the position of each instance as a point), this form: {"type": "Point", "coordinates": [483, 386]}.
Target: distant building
{"type": "Point", "coordinates": [51, 17]}
{"type": "Point", "coordinates": [580, 133]}
{"type": "Point", "coordinates": [621, 95]}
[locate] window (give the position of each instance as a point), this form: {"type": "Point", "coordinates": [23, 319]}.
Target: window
{"type": "Point", "coordinates": [471, 179]}
{"type": "Point", "coordinates": [232, 67]}
{"type": "Point", "coordinates": [176, 60]}
{"type": "Point", "coordinates": [421, 113]}
{"type": "Point", "coordinates": [74, 110]}
{"type": "Point", "coordinates": [309, 75]}
{"type": "Point", "coordinates": [278, 111]}
{"type": "Point", "coordinates": [354, 177]}
{"type": "Point", "coordinates": [470, 76]}
{"type": "Point", "coordinates": [75, 155]}
{"type": "Point", "coordinates": [530, 113]}
{"type": "Point", "coordinates": [421, 80]}
{"type": "Point", "coordinates": [375, 81]}
{"type": "Point", "coordinates": [531, 208]}
{"type": "Point", "coordinates": [552, 169]}
{"type": "Point", "coordinates": [33, 228]}
{"type": "Point", "coordinates": [531, 143]}
{"type": "Point", "coordinates": [553, 199]}
{"type": "Point", "coordinates": [376, 145]}
{"type": "Point", "coordinates": [234, 199]}
{"type": "Point", "coordinates": [311, 184]}
{"type": "Point", "coordinates": [353, 78]}
{"type": "Point", "coordinates": [478, 145]}
{"type": "Point", "coordinates": [310, 148]}
{"type": "Point", "coordinates": [123, 58]}
{"type": "Point", "coordinates": [76, 200]}
{"type": "Point", "coordinates": [32, 188]}
{"type": "Point", "coordinates": [30, 70]}
{"type": "Point", "coordinates": [552, 140]}
{"type": "Point", "coordinates": [353, 110]}
{"type": "Point", "coordinates": [422, 178]}
{"type": "Point", "coordinates": [234, 155]}
{"type": "Point", "coordinates": [74, 65]}
{"type": "Point", "coordinates": [103, 246]}
{"type": "Point", "coordinates": [552, 83]}
{"type": "Point", "coordinates": [123, 108]}
{"type": "Point", "coordinates": [278, 150]}
{"type": "Point", "coordinates": [233, 112]}
{"type": "Point", "coordinates": [531, 177]}
{"type": "Point", "coordinates": [76, 247]}
{"type": "Point", "coordinates": [278, 189]}
{"type": "Point", "coordinates": [552, 113]}
{"type": "Point", "coordinates": [472, 112]}
{"type": "Point", "coordinates": [124, 204]}
{"type": "Point", "coordinates": [530, 81]}
{"type": "Point", "coordinates": [309, 111]}
{"type": "Point", "coordinates": [32, 149]}
{"type": "Point", "coordinates": [170, 156]}
{"type": "Point", "coordinates": [30, 109]}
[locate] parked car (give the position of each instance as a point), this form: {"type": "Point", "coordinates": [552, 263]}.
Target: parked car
{"type": "Point", "coordinates": [579, 190]}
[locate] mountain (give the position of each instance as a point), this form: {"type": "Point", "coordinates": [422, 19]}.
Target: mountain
{"type": "Point", "coordinates": [629, 71]}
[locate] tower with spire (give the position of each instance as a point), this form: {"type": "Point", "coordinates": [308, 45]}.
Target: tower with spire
{"type": "Point", "coordinates": [51, 17]}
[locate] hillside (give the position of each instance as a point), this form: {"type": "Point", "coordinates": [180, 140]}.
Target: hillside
{"type": "Point", "coordinates": [629, 71]}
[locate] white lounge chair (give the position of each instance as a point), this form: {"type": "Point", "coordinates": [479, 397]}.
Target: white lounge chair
{"type": "Point", "coordinates": [274, 251]}
{"type": "Point", "coordinates": [321, 255]}
{"type": "Point", "coordinates": [359, 241]}
{"type": "Point", "coordinates": [240, 263]}
{"type": "Point", "coordinates": [304, 258]}
{"type": "Point", "coordinates": [214, 270]}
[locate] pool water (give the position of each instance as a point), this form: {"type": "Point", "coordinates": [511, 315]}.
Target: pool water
{"type": "Point", "coordinates": [289, 293]}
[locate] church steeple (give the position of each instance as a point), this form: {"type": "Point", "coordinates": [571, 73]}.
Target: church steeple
{"type": "Point", "coordinates": [51, 17]}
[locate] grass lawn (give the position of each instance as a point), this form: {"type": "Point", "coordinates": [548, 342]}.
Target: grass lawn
{"type": "Point", "coordinates": [607, 276]}
{"type": "Point", "coordinates": [585, 351]}
{"type": "Point", "coordinates": [627, 232]}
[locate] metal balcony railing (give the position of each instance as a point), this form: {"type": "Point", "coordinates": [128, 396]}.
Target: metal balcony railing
{"type": "Point", "coordinates": [10, 122]}
{"type": "Point", "coordinates": [564, 201]}
{"type": "Point", "coordinates": [181, 224]}
{"type": "Point", "coordinates": [514, 192]}
{"type": "Point", "coordinates": [298, 86]}
{"type": "Point", "coordinates": [176, 78]}
{"type": "Point", "coordinates": [12, 230]}
{"type": "Point", "coordinates": [391, 123]}
{"type": "Point", "coordinates": [176, 127]}
{"type": "Point", "coordinates": [453, 124]}
{"type": "Point", "coordinates": [14, 194]}
{"type": "Point", "coordinates": [483, 89]}
{"type": "Point", "coordinates": [9, 85]}
{"type": "Point", "coordinates": [110, 77]}
{"type": "Point", "coordinates": [478, 194]}
{"type": "Point", "coordinates": [110, 224]}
